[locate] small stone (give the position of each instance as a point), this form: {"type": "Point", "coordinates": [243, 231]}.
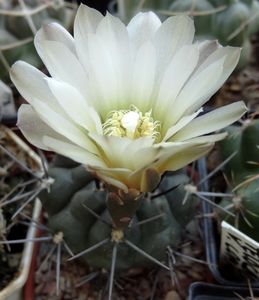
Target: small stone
{"type": "Point", "coordinates": [62, 283]}
{"type": "Point", "coordinates": [14, 260]}
{"type": "Point", "coordinates": [6, 100]}
{"type": "Point", "coordinates": [191, 227]}
{"type": "Point", "coordinates": [187, 251]}
{"type": "Point", "coordinates": [49, 288]}
{"type": "Point", "coordinates": [39, 288]}
{"type": "Point", "coordinates": [84, 297]}
{"type": "Point", "coordinates": [172, 295]}
{"type": "Point", "coordinates": [145, 288]}
{"type": "Point", "coordinates": [74, 294]}
{"type": "Point", "coordinates": [134, 272]}
{"type": "Point", "coordinates": [44, 267]}
{"type": "Point", "coordinates": [68, 285]}
{"type": "Point", "coordinates": [67, 297]}
{"type": "Point", "coordinates": [200, 268]}
{"type": "Point", "coordinates": [195, 275]}
{"type": "Point", "coordinates": [180, 275]}
{"type": "Point", "coordinates": [235, 87]}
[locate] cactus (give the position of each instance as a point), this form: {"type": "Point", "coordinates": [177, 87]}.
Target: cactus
{"type": "Point", "coordinates": [243, 168]}
{"type": "Point", "coordinates": [230, 22]}
{"type": "Point", "coordinates": [74, 191]}
{"type": "Point", "coordinates": [121, 222]}
{"type": "Point", "coordinates": [19, 22]}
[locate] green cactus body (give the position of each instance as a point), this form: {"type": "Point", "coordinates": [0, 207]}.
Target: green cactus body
{"type": "Point", "coordinates": [245, 203]}
{"type": "Point", "coordinates": [224, 23]}
{"type": "Point", "coordinates": [74, 188]}
{"type": "Point", "coordinates": [245, 200]}
{"type": "Point", "coordinates": [199, 7]}
{"type": "Point", "coordinates": [253, 26]}
{"type": "Point", "coordinates": [245, 142]}
{"type": "Point", "coordinates": [7, 38]}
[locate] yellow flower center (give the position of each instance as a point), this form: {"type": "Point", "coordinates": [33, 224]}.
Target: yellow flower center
{"type": "Point", "coordinates": [131, 124]}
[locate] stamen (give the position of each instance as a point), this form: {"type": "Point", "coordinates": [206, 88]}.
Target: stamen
{"type": "Point", "coordinates": [131, 124]}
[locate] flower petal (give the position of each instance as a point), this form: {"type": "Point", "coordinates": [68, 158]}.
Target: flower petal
{"type": "Point", "coordinates": [174, 33]}
{"type": "Point", "coordinates": [33, 128]}
{"type": "Point", "coordinates": [178, 72]}
{"type": "Point", "coordinates": [117, 177]}
{"type": "Point", "coordinates": [181, 124]}
{"type": "Point", "coordinates": [142, 28]}
{"type": "Point", "coordinates": [174, 158]}
{"type": "Point", "coordinates": [81, 113]}
{"type": "Point", "coordinates": [63, 126]}
{"type": "Point", "coordinates": [102, 79]}
{"type": "Point", "coordinates": [63, 64]}
{"type": "Point", "coordinates": [212, 121]}
{"type": "Point", "coordinates": [86, 22]}
{"type": "Point", "coordinates": [208, 78]}
{"type": "Point", "coordinates": [149, 180]}
{"type": "Point", "coordinates": [212, 138]}
{"type": "Point", "coordinates": [122, 151]}
{"type": "Point", "coordinates": [206, 48]}
{"type": "Point", "coordinates": [187, 153]}
{"type": "Point", "coordinates": [168, 157]}
{"type": "Point", "coordinates": [57, 50]}
{"type": "Point", "coordinates": [74, 152]}
{"type": "Point", "coordinates": [112, 149]}
{"type": "Point", "coordinates": [197, 90]}
{"type": "Point", "coordinates": [31, 83]}
{"type": "Point", "coordinates": [143, 76]}
{"type": "Point", "coordinates": [130, 152]}
{"type": "Point", "coordinates": [53, 32]}
{"type": "Point", "coordinates": [116, 40]}
{"type": "Point", "coordinates": [232, 57]}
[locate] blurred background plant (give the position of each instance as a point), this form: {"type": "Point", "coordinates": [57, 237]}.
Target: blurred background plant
{"type": "Point", "coordinates": [19, 22]}
{"type": "Point", "coordinates": [18, 168]}
{"type": "Point", "coordinates": [231, 22]}
{"type": "Point", "coordinates": [242, 174]}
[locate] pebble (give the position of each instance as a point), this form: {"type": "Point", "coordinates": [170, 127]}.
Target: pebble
{"type": "Point", "coordinates": [134, 272]}
{"type": "Point", "coordinates": [67, 297]}
{"type": "Point", "coordinates": [14, 259]}
{"type": "Point", "coordinates": [235, 87]}
{"type": "Point", "coordinates": [49, 288]}
{"type": "Point", "coordinates": [195, 275]}
{"type": "Point", "coordinates": [69, 286]}
{"type": "Point", "coordinates": [187, 251]}
{"type": "Point", "coordinates": [192, 228]}
{"type": "Point", "coordinates": [200, 268]}
{"type": "Point", "coordinates": [39, 288]}
{"type": "Point", "coordinates": [172, 295]}
{"type": "Point", "coordinates": [62, 283]}
{"type": "Point", "coordinates": [180, 275]}
{"type": "Point", "coordinates": [84, 297]}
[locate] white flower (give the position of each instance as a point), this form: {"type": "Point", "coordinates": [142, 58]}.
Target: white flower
{"type": "Point", "coordinates": [124, 100]}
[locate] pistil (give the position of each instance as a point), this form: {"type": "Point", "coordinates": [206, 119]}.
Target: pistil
{"type": "Point", "coordinates": [131, 124]}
